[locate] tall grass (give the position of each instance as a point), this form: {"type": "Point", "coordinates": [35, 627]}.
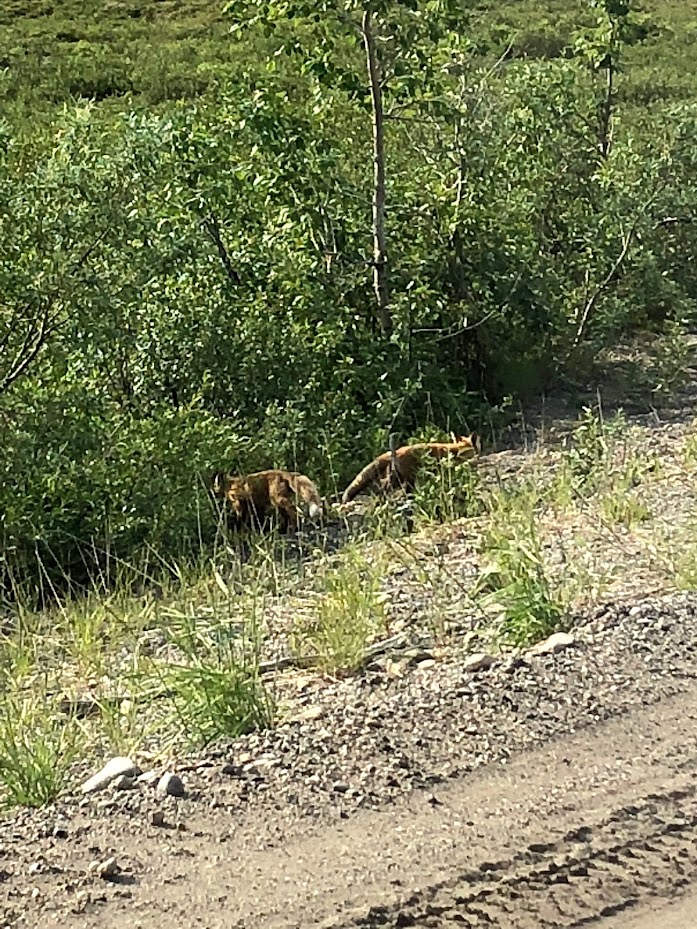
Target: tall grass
{"type": "Point", "coordinates": [347, 614]}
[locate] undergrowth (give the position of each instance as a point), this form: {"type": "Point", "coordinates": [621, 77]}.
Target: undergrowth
{"type": "Point", "coordinates": [515, 583]}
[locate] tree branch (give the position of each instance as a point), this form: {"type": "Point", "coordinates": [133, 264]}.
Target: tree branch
{"type": "Point", "coordinates": [379, 243]}
{"type": "Point", "coordinates": [41, 326]}
{"type": "Point", "coordinates": [212, 227]}
{"type": "Point", "coordinates": [606, 281]}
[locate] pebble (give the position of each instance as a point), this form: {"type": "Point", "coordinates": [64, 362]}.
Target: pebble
{"type": "Point", "coordinates": [170, 784]}
{"type": "Point", "coordinates": [123, 782]}
{"type": "Point", "coordinates": [480, 661]}
{"type": "Point", "coordinates": [555, 643]}
{"type": "Point", "coordinates": [148, 778]}
{"type": "Point", "coordinates": [115, 767]}
{"type": "Point", "coordinates": [157, 818]}
{"type": "Point", "coordinates": [108, 869]}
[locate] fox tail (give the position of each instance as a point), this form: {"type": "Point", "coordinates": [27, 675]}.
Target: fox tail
{"type": "Point", "coordinates": [366, 477]}
{"type": "Point", "coordinates": [310, 495]}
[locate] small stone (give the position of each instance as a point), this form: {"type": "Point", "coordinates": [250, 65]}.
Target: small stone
{"type": "Point", "coordinates": [35, 894]}
{"type": "Point", "coordinates": [107, 869]}
{"type": "Point", "coordinates": [114, 768]}
{"type": "Point", "coordinates": [312, 712]}
{"type": "Point", "coordinates": [229, 768]}
{"type": "Point", "coordinates": [123, 782]}
{"type": "Point", "coordinates": [157, 818]}
{"type": "Point", "coordinates": [340, 787]}
{"type": "Point", "coordinates": [426, 663]}
{"type": "Point", "coordinates": [555, 643]}
{"type": "Point", "coordinates": [394, 668]}
{"type": "Point", "coordinates": [417, 656]}
{"type": "Point", "coordinates": [480, 661]}
{"type": "Point", "coordinates": [170, 784]}
{"type": "Point", "coordinates": [513, 664]}
{"type": "Point", "coordinates": [148, 778]}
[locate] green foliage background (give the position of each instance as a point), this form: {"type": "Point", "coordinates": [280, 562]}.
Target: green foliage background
{"type": "Point", "coordinates": [187, 203]}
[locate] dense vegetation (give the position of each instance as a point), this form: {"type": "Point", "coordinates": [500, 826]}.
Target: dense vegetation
{"type": "Point", "coordinates": [186, 200]}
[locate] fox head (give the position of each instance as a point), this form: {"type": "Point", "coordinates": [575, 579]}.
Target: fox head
{"type": "Point", "coordinates": [230, 489]}
{"type": "Point", "coordinates": [471, 443]}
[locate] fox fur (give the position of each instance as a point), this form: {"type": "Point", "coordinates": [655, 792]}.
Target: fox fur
{"type": "Point", "coordinates": [399, 468]}
{"type": "Point", "coordinates": [255, 497]}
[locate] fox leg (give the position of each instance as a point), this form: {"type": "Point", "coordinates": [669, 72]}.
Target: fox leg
{"type": "Point", "coordinates": [396, 481]}
{"type": "Point", "coordinates": [282, 498]}
{"type": "Point", "coordinates": [287, 515]}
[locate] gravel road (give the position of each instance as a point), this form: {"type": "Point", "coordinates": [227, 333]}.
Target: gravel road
{"type": "Point", "coordinates": [550, 790]}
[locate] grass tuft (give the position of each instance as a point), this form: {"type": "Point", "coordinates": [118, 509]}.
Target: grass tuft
{"type": "Point", "coordinates": [348, 614]}
{"type": "Point", "coordinates": [38, 746]}
{"type": "Point", "coordinates": [516, 584]}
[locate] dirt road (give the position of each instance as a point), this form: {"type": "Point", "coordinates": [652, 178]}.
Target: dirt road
{"type": "Point", "coordinates": [583, 829]}
{"type": "Point", "coordinates": [553, 791]}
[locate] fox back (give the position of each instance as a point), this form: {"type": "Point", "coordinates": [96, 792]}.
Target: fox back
{"type": "Point", "coordinates": [399, 468]}
{"type": "Point", "coordinates": [254, 497]}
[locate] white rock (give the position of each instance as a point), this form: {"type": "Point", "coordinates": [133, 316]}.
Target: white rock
{"type": "Point", "coordinates": [555, 643]}
{"type": "Point", "coordinates": [426, 663]}
{"type": "Point", "coordinates": [107, 869]}
{"type": "Point", "coordinates": [480, 661]}
{"type": "Point", "coordinates": [394, 668]}
{"type": "Point", "coordinates": [170, 784]}
{"type": "Point", "coordinates": [111, 770]}
{"type": "Point", "coordinates": [148, 778]}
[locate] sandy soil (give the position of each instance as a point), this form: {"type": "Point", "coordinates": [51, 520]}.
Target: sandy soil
{"type": "Point", "coordinates": [679, 915]}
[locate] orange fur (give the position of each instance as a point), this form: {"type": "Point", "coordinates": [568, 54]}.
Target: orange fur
{"type": "Point", "coordinates": [254, 497]}
{"type": "Point", "coordinates": [399, 469]}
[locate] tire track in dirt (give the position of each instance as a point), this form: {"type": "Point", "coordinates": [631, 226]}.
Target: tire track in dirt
{"type": "Point", "coordinates": [595, 871]}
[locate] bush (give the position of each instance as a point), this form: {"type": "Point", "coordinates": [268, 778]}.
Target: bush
{"type": "Point", "coordinates": [92, 486]}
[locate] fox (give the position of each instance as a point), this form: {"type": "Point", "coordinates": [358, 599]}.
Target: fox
{"type": "Point", "coordinates": [399, 468]}
{"type": "Point", "coordinates": [254, 497]}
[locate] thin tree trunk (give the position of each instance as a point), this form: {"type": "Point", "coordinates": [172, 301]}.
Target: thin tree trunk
{"type": "Point", "coordinates": [379, 244]}
{"type": "Point", "coordinates": [606, 111]}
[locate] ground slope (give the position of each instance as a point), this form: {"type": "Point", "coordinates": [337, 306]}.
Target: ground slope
{"type": "Point", "coordinates": [550, 790]}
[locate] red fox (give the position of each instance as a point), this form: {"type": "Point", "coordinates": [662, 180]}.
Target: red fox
{"type": "Point", "coordinates": [253, 497]}
{"type": "Point", "coordinates": [392, 470]}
